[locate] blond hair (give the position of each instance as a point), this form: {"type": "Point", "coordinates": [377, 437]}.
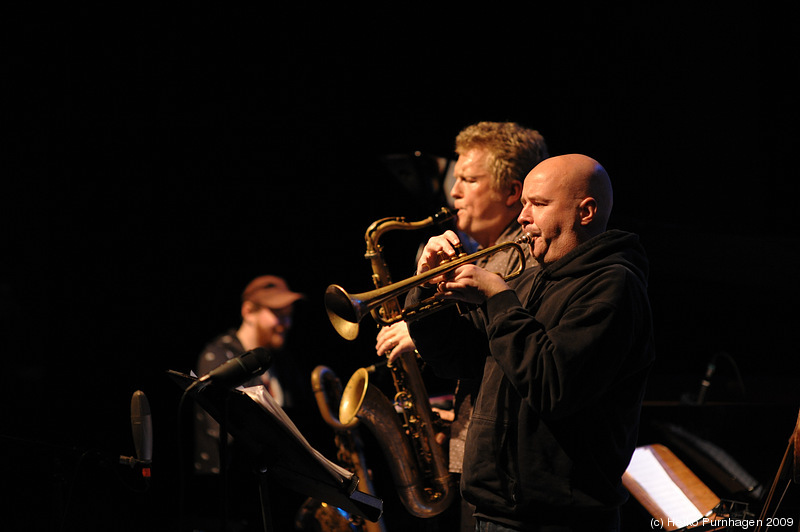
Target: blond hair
{"type": "Point", "coordinates": [512, 150]}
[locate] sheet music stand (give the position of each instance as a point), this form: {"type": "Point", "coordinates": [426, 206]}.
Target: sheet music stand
{"type": "Point", "coordinates": [700, 495]}
{"type": "Point", "coordinates": [279, 453]}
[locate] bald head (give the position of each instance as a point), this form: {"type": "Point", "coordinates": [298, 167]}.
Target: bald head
{"type": "Point", "coordinates": [581, 177]}
{"type": "Point", "coordinates": [566, 200]}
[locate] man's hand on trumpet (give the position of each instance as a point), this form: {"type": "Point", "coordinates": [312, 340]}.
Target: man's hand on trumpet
{"type": "Point", "coordinates": [468, 283]}
{"type": "Point", "coordinates": [471, 284]}
{"type": "Point", "coordinates": [438, 250]}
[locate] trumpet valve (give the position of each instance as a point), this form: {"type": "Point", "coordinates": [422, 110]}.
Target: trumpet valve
{"type": "Point", "coordinates": [444, 258]}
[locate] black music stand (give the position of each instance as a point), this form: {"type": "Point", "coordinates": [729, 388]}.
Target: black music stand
{"type": "Point", "coordinates": [279, 451]}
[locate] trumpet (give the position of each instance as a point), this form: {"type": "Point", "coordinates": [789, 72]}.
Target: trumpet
{"type": "Point", "coordinates": [345, 311]}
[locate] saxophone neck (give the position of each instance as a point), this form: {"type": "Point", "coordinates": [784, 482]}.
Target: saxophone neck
{"type": "Point", "coordinates": [374, 252]}
{"type": "Point", "coordinates": [327, 390]}
{"type": "Point", "coordinates": [377, 228]}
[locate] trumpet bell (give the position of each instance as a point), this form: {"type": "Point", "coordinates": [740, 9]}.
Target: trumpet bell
{"type": "Point", "coordinates": [342, 312]}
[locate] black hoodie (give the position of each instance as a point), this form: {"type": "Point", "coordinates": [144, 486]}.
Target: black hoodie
{"type": "Point", "coordinates": [569, 349]}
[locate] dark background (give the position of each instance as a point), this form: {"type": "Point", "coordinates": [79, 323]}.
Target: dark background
{"type": "Point", "coordinates": [158, 158]}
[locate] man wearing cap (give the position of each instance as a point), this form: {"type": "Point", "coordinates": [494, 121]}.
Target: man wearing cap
{"type": "Point", "coordinates": [267, 304]}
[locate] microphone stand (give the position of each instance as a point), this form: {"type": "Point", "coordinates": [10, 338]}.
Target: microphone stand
{"type": "Point", "coordinates": [134, 462]}
{"type": "Point", "coordinates": [224, 465]}
{"type": "Point", "coordinates": [266, 507]}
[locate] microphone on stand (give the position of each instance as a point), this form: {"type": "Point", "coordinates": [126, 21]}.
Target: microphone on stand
{"type": "Point", "coordinates": [699, 399]}
{"type": "Point", "coordinates": [142, 429]}
{"type": "Point", "coordinates": [706, 382]}
{"type": "Point", "coordinates": [238, 370]}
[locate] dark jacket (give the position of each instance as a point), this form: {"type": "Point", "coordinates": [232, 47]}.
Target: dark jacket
{"type": "Point", "coordinates": [556, 421]}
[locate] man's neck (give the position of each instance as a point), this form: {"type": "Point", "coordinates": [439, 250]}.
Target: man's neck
{"type": "Point", "coordinates": [491, 240]}
{"type": "Point", "coordinates": [247, 337]}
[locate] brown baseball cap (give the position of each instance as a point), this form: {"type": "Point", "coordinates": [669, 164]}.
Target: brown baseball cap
{"type": "Point", "coordinates": [270, 291]}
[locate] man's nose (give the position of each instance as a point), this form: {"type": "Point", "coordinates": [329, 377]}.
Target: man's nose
{"type": "Point", "coordinates": [524, 219]}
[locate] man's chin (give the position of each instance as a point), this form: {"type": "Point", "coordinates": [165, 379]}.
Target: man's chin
{"type": "Point", "coordinates": [277, 342]}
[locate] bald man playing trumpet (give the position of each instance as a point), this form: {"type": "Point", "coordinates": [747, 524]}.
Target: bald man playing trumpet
{"type": "Point", "coordinates": [564, 351]}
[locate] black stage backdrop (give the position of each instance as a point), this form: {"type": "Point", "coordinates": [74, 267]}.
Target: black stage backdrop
{"type": "Point", "coordinates": [160, 157]}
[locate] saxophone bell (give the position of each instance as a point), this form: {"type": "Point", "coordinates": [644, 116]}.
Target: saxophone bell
{"type": "Point", "coordinates": [407, 461]}
{"type": "Point", "coordinates": [315, 515]}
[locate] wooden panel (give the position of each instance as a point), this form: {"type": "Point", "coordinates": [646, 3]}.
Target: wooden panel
{"type": "Point", "coordinates": [695, 490]}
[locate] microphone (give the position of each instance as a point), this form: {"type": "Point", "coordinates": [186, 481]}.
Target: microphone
{"type": "Point", "coordinates": [706, 382]}
{"type": "Point", "coordinates": [142, 429]}
{"type": "Point", "coordinates": [238, 370]}
{"type": "Point", "coordinates": [700, 398]}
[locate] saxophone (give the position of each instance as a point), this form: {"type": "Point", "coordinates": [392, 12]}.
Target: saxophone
{"type": "Point", "coordinates": [313, 514]}
{"type": "Point", "coordinates": [418, 464]}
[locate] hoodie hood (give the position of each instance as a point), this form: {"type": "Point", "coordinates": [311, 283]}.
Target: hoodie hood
{"type": "Point", "coordinates": [613, 247]}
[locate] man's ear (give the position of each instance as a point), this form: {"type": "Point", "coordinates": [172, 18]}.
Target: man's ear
{"type": "Point", "coordinates": [587, 210]}
{"type": "Point", "coordinates": [248, 307]}
{"type": "Point", "coordinates": [514, 193]}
